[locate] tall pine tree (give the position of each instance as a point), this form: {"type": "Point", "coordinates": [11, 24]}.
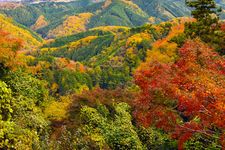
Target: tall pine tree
{"type": "Point", "coordinates": [206, 15]}
{"type": "Point", "coordinates": [203, 10]}
{"type": "Point", "coordinates": [207, 25]}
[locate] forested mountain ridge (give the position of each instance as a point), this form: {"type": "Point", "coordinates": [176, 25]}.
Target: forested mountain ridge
{"type": "Point", "coordinates": [31, 39]}
{"type": "Point", "coordinates": [110, 12]}
{"type": "Point", "coordinates": [154, 86]}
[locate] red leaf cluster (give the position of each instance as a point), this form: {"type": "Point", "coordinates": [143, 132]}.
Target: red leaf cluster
{"type": "Point", "coordinates": [184, 97]}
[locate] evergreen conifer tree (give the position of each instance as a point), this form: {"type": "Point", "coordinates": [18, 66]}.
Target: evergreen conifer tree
{"type": "Point", "coordinates": [207, 25]}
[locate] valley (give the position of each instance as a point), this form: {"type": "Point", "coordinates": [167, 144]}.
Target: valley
{"type": "Point", "coordinates": [112, 74]}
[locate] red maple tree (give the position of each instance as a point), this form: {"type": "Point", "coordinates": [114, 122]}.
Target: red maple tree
{"type": "Point", "coordinates": [184, 97]}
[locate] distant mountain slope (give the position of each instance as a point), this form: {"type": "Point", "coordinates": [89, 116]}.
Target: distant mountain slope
{"type": "Point", "coordinates": [128, 13]}
{"type": "Point", "coordinates": [101, 45]}
{"type": "Point", "coordinates": [163, 9]}
{"type": "Point", "coordinates": [113, 52]}
{"type": "Point", "coordinates": [72, 24]}
{"type": "Point", "coordinates": [119, 12]}
{"type": "Point", "coordinates": [27, 14]}
{"type": "Point", "coordinates": [31, 39]}
{"type": "Point", "coordinates": [54, 13]}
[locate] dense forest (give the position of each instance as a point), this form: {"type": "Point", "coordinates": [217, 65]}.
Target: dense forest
{"type": "Point", "coordinates": [52, 19]}
{"type": "Point", "coordinates": [114, 74]}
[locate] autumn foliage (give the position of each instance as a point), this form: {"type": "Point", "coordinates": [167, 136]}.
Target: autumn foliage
{"type": "Point", "coordinates": [40, 23]}
{"type": "Point", "coordinates": [8, 50]}
{"type": "Point", "coordinates": [184, 97]}
{"type": "Point", "coordinates": [72, 25]}
{"type": "Point", "coordinates": [30, 39]}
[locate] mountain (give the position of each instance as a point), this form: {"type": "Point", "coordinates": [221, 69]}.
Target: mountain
{"type": "Point", "coordinates": [164, 9]}
{"type": "Point", "coordinates": [112, 52]}
{"type": "Point", "coordinates": [53, 13]}
{"type": "Point", "coordinates": [30, 38]}
{"type": "Point", "coordinates": [102, 80]}
{"type": "Point", "coordinates": [59, 15]}
{"type": "Point", "coordinates": [120, 13]}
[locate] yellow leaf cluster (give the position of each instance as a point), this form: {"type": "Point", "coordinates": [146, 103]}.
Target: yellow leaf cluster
{"type": "Point", "coordinates": [113, 29]}
{"type": "Point", "coordinates": [134, 6]}
{"type": "Point", "coordinates": [163, 50]}
{"type": "Point", "coordinates": [58, 110]}
{"type": "Point", "coordinates": [82, 42]}
{"type": "Point", "coordinates": [40, 23]}
{"type": "Point", "coordinates": [137, 39]}
{"type": "Point", "coordinates": [130, 3]}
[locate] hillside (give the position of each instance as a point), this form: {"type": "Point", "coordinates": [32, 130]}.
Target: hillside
{"type": "Point", "coordinates": [110, 12]}
{"type": "Point", "coordinates": [101, 80]}
{"type": "Point", "coordinates": [164, 10]}
{"type": "Point", "coordinates": [59, 14]}
{"type": "Point", "coordinates": [115, 50]}
{"type": "Point", "coordinates": [120, 13]}
{"type": "Point", "coordinates": [54, 13]}
{"type": "Point", "coordinates": [116, 60]}
{"type": "Point", "coordinates": [30, 38]}
{"type": "Point", "coordinates": [72, 25]}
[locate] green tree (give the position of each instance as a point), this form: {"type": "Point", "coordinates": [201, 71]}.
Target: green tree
{"type": "Point", "coordinates": [156, 139]}
{"type": "Point", "coordinates": [16, 132]}
{"type": "Point", "coordinates": [207, 25]}
{"type": "Point", "coordinates": [203, 142]}
{"type": "Point", "coordinates": [5, 102]}
{"type": "Point", "coordinates": [24, 84]}
{"type": "Point", "coordinates": [115, 130]}
{"type": "Point", "coordinates": [203, 10]}
{"type": "Point", "coordinates": [206, 14]}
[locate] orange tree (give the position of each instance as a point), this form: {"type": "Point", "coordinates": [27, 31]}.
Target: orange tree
{"type": "Point", "coordinates": [184, 98]}
{"type": "Point", "coordinates": [8, 51]}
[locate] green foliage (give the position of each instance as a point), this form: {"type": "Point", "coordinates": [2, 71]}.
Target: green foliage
{"type": "Point", "coordinates": [207, 25]}
{"type": "Point", "coordinates": [120, 14]}
{"type": "Point", "coordinates": [34, 34]}
{"type": "Point", "coordinates": [111, 127]}
{"type": "Point", "coordinates": [202, 10]}
{"type": "Point", "coordinates": [28, 86]}
{"type": "Point", "coordinates": [203, 142]}
{"type": "Point", "coordinates": [72, 81]}
{"type": "Point", "coordinates": [171, 8]}
{"type": "Point", "coordinates": [54, 12]}
{"type": "Point", "coordinates": [112, 53]}
{"type": "Point", "coordinates": [21, 119]}
{"type": "Point", "coordinates": [117, 12]}
{"type": "Point", "coordinates": [118, 132]}
{"type": "Point", "coordinates": [5, 102]}
{"type": "Point", "coordinates": [94, 48]}
{"type": "Point", "coordinates": [179, 40]}
{"type": "Point", "coordinates": [111, 77]}
{"type": "Point", "coordinates": [67, 39]}
{"type": "Point", "coordinates": [21, 122]}
{"type": "Point", "coordinates": [155, 139]}
{"type": "Point", "coordinates": [12, 136]}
